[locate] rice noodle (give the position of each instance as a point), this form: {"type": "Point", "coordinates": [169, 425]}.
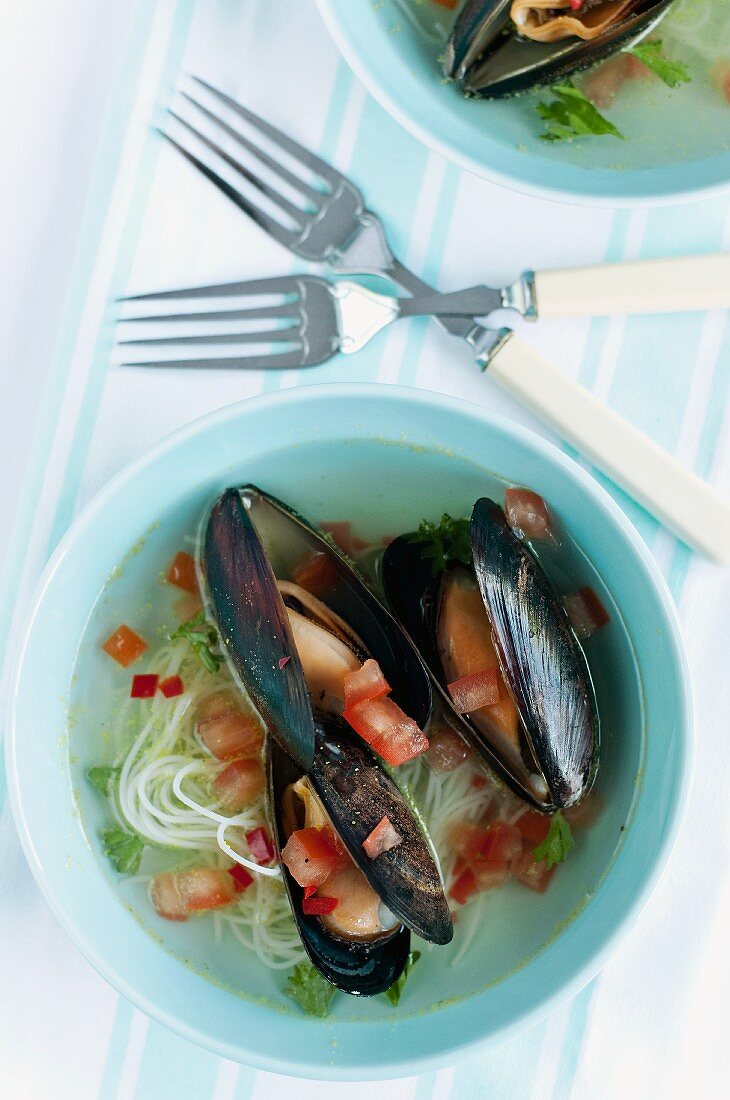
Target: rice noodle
{"type": "Point", "coordinates": [164, 794]}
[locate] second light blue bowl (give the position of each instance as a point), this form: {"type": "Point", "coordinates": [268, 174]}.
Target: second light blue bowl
{"type": "Point", "coordinates": [396, 454]}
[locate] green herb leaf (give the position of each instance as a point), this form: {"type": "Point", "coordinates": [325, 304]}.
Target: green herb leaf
{"type": "Point", "coordinates": [572, 115]}
{"type": "Point", "coordinates": [203, 639]}
{"type": "Point", "coordinates": [557, 843]}
{"type": "Point", "coordinates": [103, 778]}
{"type": "Point", "coordinates": [393, 994]}
{"type": "Point", "coordinates": [124, 850]}
{"type": "Point", "coordinates": [310, 990]}
{"type": "Point", "coordinates": [673, 73]}
{"type": "Point", "coordinates": [444, 542]}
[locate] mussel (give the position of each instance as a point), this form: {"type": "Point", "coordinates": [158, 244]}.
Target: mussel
{"type": "Point", "coordinates": [287, 605]}
{"type": "Point", "coordinates": [542, 736]}
{"type": "Point", "coordinates": [502, 47]}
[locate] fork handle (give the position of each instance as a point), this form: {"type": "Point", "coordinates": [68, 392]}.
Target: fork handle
{"type": "Point", "coordinates": [680, 284]}
{"type": "Point", "coordinates": [688, 506]}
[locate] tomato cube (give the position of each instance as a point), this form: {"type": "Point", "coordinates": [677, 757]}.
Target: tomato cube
{"type": "Point", "coordinates": [383, 837]}
{"type": "Point", "coordinates": [176, 894]}
{"type": "Point", "coordinates": [310, 857]}
{"type": "Point", "coordinates": [390, 732]}
{"type": "Point", "coordinates": [480, 689]}
{"type": "Point", "coordinates": [365, 683]}
{"type": "Point", "coordinates": [527, 514]}
{"type": "Point", "coordinates": [531, 873]}
{"type": "Point", "coordinates": [231, 734]}
{"type": "Point", "coordinates": [124, 646]}
{"type": "Point", "coordinates": [182, 573]}
{"type": "Point", "coordinates": [144, 686]}
{"type": "Point", "coordinates": [238, 784]}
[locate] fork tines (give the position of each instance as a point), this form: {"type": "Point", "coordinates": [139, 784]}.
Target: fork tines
{"type": "Point", "coordinates": [272, 178]}
{"type": "Point", "coordinates": [270, 318]}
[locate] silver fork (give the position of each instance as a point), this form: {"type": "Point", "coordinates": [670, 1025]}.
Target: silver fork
{"type": "Point", "coordinates": [304, 320]}
{"type": "Point", "coordinates": [325, 220]}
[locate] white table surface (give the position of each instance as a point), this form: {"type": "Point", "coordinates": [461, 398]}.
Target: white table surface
{"type": "Point", "coordinates": [91, 205]}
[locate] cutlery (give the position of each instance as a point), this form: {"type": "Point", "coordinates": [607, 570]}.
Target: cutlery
{"type": "Point", "coordinates": [307, 320]}
{"type": "Point", "coordinates": [316, 212]}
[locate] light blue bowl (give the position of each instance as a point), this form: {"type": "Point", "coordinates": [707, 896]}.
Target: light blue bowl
{"type": "Point", "coordinates": [678, 145]}
{"type": "Point", "coordinates": [402, 452]}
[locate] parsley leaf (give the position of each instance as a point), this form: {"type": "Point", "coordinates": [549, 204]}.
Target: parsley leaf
{"type": "Point", "coordinates": [310, 990]}
{"type": "Point", "coordinates": [673, 73]}
{"type": "Point", "coordinates": [572, 115]}
{"type": "Point", "coordinates": [124, 850]}
{"type": "Point", "coordinates": [203, 638]}
{"type": "Point", "coordinates": [103, 778]}
{"type": "Point", "coordinates": [557, 843]}
{"type": "Point", "coordinates": [444, 542]}
{"type": "Point", "coordinates": [393, 994]}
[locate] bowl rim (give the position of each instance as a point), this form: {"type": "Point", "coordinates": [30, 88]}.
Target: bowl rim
{"type": "Point", "coordinates": [393, 1066]}
{"type": "Point", "coordinates": [656, 194]}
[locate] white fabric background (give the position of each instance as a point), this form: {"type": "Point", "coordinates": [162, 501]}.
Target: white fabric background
{"type": "Point", "coordinates": [656, 1020]}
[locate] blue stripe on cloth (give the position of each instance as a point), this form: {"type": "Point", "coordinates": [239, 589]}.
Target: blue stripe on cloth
{"type": "Point", "coordinates": [659, 386]}
{"type": "Point", "coordinates": [573, 1042]}
{"type": "Point", "coordinates": [135, 215]}
{"type": "Point", "coordinates": [438, 239]}
{"type": "Point", "coordinates": [116, 1050]}
{"type": "Point", "coordinates": [505, 1071]}
{"type": "Point", "coordinates": [105, 173]}
{"type": "Point", "coordinates": [173, 1068]}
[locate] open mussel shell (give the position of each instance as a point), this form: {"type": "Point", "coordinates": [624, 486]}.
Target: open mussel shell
{"type": "Point", "coordinates": [253, 625]}
{"type": "Point", "coordinates": [357, 792]}
{"type": "Point", "coordinates": [289, 540]}
{"type": "Point", "coordinates": [490, 59]}
{"type": "Point", "coordinates": [413, 594]}
{"type": "Point", "coordinates": [540, 658]}
{"type": "Point", "coordinates": [361, 967]}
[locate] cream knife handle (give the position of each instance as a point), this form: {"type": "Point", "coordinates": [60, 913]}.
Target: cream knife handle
{"type": "Point", "coordinates": [688, 506]}
{"type": "Point", "coordinates": [648, 286]}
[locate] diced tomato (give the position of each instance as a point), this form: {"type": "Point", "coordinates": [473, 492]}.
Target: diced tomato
{"type": "Point", "coordinates": [176, 894]}
{"type": "Point", "coordinates": [464, 886]}
{"type": "Point", "coordinates": [534, 827]}
{"type": "Point", "coordinates": [383, 837]}
{"type": "Point", "coordinates": [171, 687]}
{"type": "Point", "coordinates": [489, 874]}
{"type": "Point", "coordinates": [365, 683]}
{"type": "Point", "coordinates": [586, 612]}
{"type": "Point", "coordinates": [316, 573]}
{"type": "Point", "coordinates": [144, 686]}
{"type": "Point", "coordinates": [187, 607]}
{"type": "Point", "coordinates": [603, 83]}
{"type": "Point", "coordinates": [308, 891]}
{"type": "Point", "coordinates": [124, 646]}
{"type": "Point", "coordinates": [317, 906]}
{"type": "Point", "coordinates": [527, 514]}
{"type": "Point", "coordinates": [216, 706]}
{"type": "Point", "coordinates": [498, 842]}
{"type": "Point", "coordinates": [502, 843]}
{"type": "Point", "coordinates": [530, 873]}
{"type": "Point", "coordinates": [231, 734]}
{"type": "Point", "coordinates": [450, 4]}
{"type": "Point", "coordinates": [479, 781]}
{"type": "Point", "coordinates": [182, 573]}
{"type": "Point", "coordinates": [447, 751]}
{"type": "Point", "coordinates": [466, 840]}
{"type": "Point", "coordinates": [480, 689]}
{"type": "Point", "coordinates": [260, 845]}
{"type": "Point", "coordinates": [310, 857]}
{"type": "Point", "coordinates": [390, 732]}
{"type": "Point", "coordinates": [720, 74]}
{"type": "Point", "coordinates": [241, 877]}
{"type": "Point", "coordinates": [239, 784]}
{"type": "Point", "coordinates": [341, 535]}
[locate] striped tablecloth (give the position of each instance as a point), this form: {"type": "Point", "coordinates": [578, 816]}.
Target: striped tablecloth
{"type": "Point", "coordinates": [95, 207]}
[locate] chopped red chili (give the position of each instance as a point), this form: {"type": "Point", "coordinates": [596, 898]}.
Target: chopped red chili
{"type": "Point", "coordinates": [144, 686]}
